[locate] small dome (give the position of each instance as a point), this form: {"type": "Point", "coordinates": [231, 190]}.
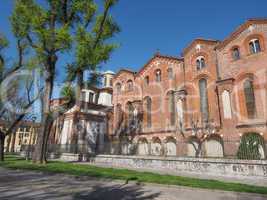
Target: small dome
{"type": "Point", "coordinates": [109, 72]}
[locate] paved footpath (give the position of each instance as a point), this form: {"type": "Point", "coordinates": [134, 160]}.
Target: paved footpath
{"type": "Point", "coordinates": [22, 185]}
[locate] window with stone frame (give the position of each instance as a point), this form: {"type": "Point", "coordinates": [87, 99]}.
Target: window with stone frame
{"type": "Point", "coordinates": [250, 98]}
{"type": "Point", "coordinates": [118, 87]}
{"type": "Point", "coordinates": [254, 46]}
{"type": "Point", "coordinates": [170, 73]}
{"type": "Point", "coordinates": [147, 80]}
{"type": "Point", "coordinates": [200, 62]}
{"type": "Point", "coordinates": [130, 85]}
{"type": "Point", "coordinates": [158, 75]}
{"type": "Point", "coordinates": [235, 53]}
{"type": "Point", "coordinates": [203, 93]}
{"type": "Point", "coordinates": [148, 105]}
{"type": "Point", "coordinates": [171, 105]}
{"type": "Point", "coordinates": [130, 110]}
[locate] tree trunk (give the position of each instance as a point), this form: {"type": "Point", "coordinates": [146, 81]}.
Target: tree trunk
{"type": "Point", "coordinates": [76, 148]}
{"type": "Point", "coordinates": [13, 140]}
{"type": "Point", "coordinates": [198, 150]}
{"type": "Point", "coordinates": [2, 144]}
{"type": "Point", "coordinates": [40, 147]}
{"type": "Point", "coordinates": [79, 88]}
{"type": "Point", "coordinates": [8, 144]}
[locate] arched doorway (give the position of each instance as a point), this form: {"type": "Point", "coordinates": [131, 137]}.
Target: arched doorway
{"type": "Point", "coordinates": [125, 147]}
{"type": "Point", "coordinates": [192, 147]}
{"type": "Point", "coordinates": [156, 147]}
{"type": "Point", "coordinates": [170, 147]}
{"type": "Point", "coordinates": [142, 148]}
{"type": "Point", "coordinates": [214, 147]}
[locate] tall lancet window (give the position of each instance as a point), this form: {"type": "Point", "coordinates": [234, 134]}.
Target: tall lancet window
{"type": "Point", "coordinates": [204, 106]}
{"type": "Point", "coordinates": [148, 106]}
{"type": "Point", "coordinates": [171, 103]}
{"type": "Point", "coordinates": [250, 98]}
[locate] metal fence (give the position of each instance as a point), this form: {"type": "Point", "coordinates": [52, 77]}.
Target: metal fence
{"type": "Point", "coordinates": [247, 150]}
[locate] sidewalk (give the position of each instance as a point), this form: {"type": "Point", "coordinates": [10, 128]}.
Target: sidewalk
{"type": "Point", "coordinates": [29, 185]}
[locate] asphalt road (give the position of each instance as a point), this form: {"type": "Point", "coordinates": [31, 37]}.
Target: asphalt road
{"type": "Point", "coordinates": [22, 185]}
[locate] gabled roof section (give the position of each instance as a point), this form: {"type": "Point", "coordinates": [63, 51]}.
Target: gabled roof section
{"type": "Point", "coordinates": [158, 55]}
{"type": "Point", "coordinates": [199, 40]}
{"type": "Point", "coordinates": [240, 29]}
{"type": "Point", "coordinates": [124, 70]}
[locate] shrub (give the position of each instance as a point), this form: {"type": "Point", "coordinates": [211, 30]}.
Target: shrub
{"type": "Point", "coordinates": [249, 147]}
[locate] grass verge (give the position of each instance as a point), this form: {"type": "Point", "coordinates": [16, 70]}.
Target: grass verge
{"type": "Point", "coordinates": [124, 174]}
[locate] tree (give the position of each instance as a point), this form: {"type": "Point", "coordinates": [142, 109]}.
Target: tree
{"type": "Point", "coordinates": [200, 133]}
{"type": "Point", "coordinates": [17, 101]}
{"type": "Point", "coordinates": [50, 28]}
{"type": "Point", "coordinates": [91, 50]}
{"type": "Point", "coordinates": [16, 97]}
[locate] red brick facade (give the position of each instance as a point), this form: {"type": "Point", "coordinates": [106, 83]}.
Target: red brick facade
{"type": "Point", "coordinates": [225, 75]}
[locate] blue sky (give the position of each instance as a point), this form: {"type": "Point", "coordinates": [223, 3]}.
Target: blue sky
{"type": "Point", "coordinates": [167, 25]}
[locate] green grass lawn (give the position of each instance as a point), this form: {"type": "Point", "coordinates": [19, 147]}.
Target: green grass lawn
{"type": "Point", "coordinates": [123, 174]}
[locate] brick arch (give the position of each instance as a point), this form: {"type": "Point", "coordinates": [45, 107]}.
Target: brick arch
{"type": "Point", "coordinates": [156, 146]}
{"type": "Point", "coordinates": [196, 55]}
{"type": "Point", "coordinates": [252, 36]}
{"type": "Point", "coordinates": [241, 77]}
{"type": "Point", "coordinates": [170, 144]}
{"type": "Point", "coordinates": [205, 75]}
{"type": "Point", "coordinates": [262, 149]}
{"type": "Point", "coordinates": [156, 139]}
{"type": "Point", "coordinates": [214, 146]}
{"type": "Point", "coordinates": [168, 92]}
{"type": "Point", "coordinates": [142, 140]}
{"type": "Point", "coordinates": [170, 139]}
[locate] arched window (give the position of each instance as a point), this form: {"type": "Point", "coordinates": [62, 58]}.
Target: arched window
{"type": "Point", "coordinates": [148, 105]}
{"type": "Point", "coordinates": [170, 73]}
{"type": "Point", "coordinates": [158, 75]}
{"type": "Point", "coordinates": [171, 105]}
{"type": "Point", "coordinates": [130, 85]}
{"type": "Point", "coordinates": [254, 46]}
{"type": "Point", "coordinates": [200, 62]}
{"type": "Point", "coordinates": [204, 107]}
{"type": "Point", "coordinates": [130, 110]}
{"type": "Point", "coordinates": [118, 87]}
{"type": "Point", "coordinates": [147, 80]}
{"type": "Point", "coordinates": [235, 53]}
{"type": "Point", "coordinates": [119, 115]}
{"type": "Point", "coordinates": [250, 98]}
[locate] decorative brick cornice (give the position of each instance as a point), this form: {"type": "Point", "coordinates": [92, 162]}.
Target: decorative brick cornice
{"type": "Point", "coordinates": [239, 30]}
{"type": "Point", "coordinates": [199, 40]}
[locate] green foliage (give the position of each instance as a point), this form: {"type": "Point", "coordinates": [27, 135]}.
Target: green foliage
{"type": "Point", "coordinates": [68, 93]}
{"type": "Point", "coordinates": [3, 42]}
{"type": "Point", "coordinates": [124, 174]}
{"type": "Point", "coordinates": [249, 147]}
{"type": "Point", "coordinates": [3, 46]}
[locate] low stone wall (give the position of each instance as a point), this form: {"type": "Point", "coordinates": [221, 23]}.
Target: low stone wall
{"type": "Point", "coordinates": [220, 167]}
